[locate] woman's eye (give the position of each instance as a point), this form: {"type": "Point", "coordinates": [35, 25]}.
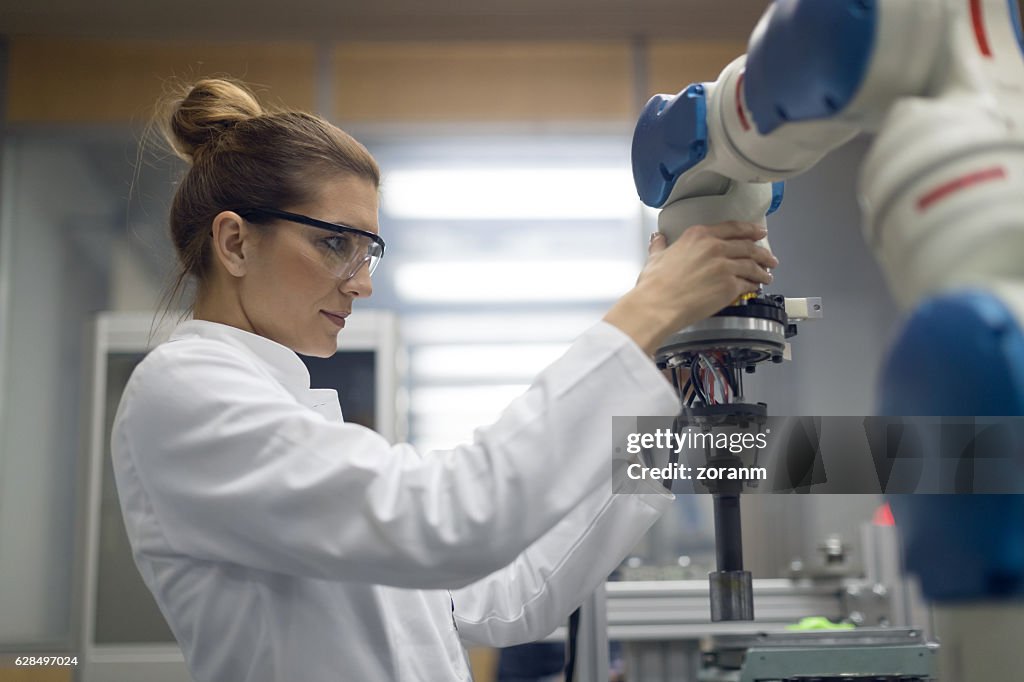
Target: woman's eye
{"type": "Point", "coordinates": [336, 244]}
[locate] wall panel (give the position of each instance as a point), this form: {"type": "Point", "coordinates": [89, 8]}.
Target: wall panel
{"type": "Point", "coordinates": [671, 66]}
{"type": "Point", "coordinates": [500, 81]}
{"type": "Point", "coordinates": [92, 81]}
{"type": "Point", "coordinates": [118, 81]}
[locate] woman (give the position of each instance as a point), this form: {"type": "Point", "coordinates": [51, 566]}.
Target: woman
{"type": "Point", "coordinates": [284, 544]}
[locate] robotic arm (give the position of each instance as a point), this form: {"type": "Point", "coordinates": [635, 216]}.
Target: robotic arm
{"type": "Point", "coordinates": [940, 83]}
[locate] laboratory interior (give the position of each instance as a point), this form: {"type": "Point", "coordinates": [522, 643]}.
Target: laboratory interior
{"type": "Point", "coordinates": [528, 151]}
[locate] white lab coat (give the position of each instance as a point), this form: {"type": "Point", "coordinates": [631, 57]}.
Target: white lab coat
{"type": "Point", "coordinates": [281, 543]}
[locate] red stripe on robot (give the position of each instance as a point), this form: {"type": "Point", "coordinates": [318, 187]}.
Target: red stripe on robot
{"type": "Point", "coordinates": [979, 28]}
{"type": "Point", "coordinates": [963, 182]}
{"type": "Point", "coordinates": [739, 102]}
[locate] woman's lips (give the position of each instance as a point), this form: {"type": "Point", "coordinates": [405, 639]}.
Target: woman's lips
{"type": "Point", "coordinates": [336, 319]}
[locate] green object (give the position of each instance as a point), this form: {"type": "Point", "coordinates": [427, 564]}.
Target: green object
{"type": "Point", "coordinates": [819, 623]}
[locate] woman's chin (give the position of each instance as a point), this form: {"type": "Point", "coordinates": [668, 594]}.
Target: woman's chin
{"type": "Point", "coordinates": [323, 351]}
{"type": "Point", "coordinates": [320, 348]}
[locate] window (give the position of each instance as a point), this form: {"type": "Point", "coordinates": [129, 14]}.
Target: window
{"type": "Point", "coordinates": [505, 250]}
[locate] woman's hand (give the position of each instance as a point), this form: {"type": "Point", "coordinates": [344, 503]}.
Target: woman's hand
{"type": "Point", "coordinates": [705, 270]}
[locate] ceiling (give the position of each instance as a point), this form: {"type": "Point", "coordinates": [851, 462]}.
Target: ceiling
{"type": "Point", "coordinates": [383, 19]}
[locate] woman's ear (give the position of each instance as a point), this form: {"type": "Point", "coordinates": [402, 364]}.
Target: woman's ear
{"type": "Point", "coordinates": [229, 233]}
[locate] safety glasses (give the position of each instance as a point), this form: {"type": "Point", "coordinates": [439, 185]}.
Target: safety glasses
{"type": "Point", "coordinates": [343, 252]}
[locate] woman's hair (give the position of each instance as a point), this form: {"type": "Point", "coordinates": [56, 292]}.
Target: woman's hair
{"type": "Point", "coordinates": [243, 155]}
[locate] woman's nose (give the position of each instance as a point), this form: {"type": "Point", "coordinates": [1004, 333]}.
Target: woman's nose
{"type": "Point", "coordinates": [360, 284]}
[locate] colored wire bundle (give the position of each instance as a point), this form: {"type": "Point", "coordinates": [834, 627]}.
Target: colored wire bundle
{"type": "Point", "coordinates": [711, 380]}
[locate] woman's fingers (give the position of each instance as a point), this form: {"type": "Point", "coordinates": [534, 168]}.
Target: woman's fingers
{"type": "Point", "coordinates": [737, 230]}
{"type": "Point", "coordinates": [752, 271]}
{"type": "Point", "coordinates": [658, 244]}
{"type": "Point", "coordinates": [741, 248]}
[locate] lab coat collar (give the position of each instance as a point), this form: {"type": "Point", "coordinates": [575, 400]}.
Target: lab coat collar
{"type": "Point", "coordinates": [283, 363]}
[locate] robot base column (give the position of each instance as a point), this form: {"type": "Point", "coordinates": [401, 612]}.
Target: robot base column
{"type": "Point", "coordinates": [732, 588]}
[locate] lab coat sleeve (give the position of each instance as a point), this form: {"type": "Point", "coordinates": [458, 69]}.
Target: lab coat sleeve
{"type": "Point", "coordinates": [526, 600]}
{"type": "Point", "coordinates": [230, 467]}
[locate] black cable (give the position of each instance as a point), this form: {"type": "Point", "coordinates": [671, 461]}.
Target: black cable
{"type": "Point", "coordinates": [731, 378]}
{"type": "Point", "coordinates": [697, 385]}
{"type": "Point", "coordinates": [570, 646]}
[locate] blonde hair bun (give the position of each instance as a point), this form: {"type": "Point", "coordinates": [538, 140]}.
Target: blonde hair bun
{"type": "Point", "coordinates": [205, 111]}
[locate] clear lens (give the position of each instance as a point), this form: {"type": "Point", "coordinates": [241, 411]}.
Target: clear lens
{"type": "Point", "coordinates": [344, 254]}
